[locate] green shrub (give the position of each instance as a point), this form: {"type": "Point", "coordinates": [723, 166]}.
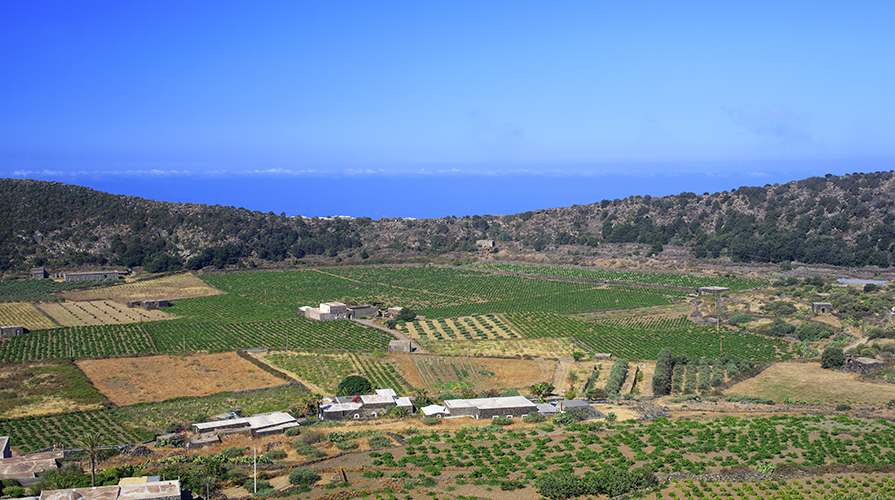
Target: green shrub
{"type": "Point", "coordinates": [354, 385]}
{"type": "Point", "coordinates": [292, 432]}
{"type": "Point", "coordinates": [14, 491]}
{"type": "Point", "coordinates": [373, 474]}
{"type": "Point", "coordinates": [813, 332]}
{"type": "Point", "coordinates": [250, 485]}
{"type": "Point", "coordinates": [779, 308]}
{"type": "Point", "coordinates": [533, 418]}
{"type": "Point", "coordinates": [379, 442]}
{"type": "Point", "coordinates": [843, 407]}
{"type": "Point", "coordinates": [502, 421]}
{"type": "Point", "coordinates": [309, 451]}
{"type": "Point", "coordinates": [739, 319]}
{"type": "Point", "coordinates": [303, 477]}
{"type": "Point", "coordinates": [617, 376]}
{"type": "Point", "coordinates": [309, 437]}
{"type": "Point", "coordinates": [275, 454]}
{"type": "Point", "coordinates": [346, 445]}
{"type": "Point", "coordinates": [431, 421]}
{"type": "Point", "coordinates": [832, 358]}
{"type": "Point", "coordinates": [663, 374]}
{"type": "Point", "coordinates": [564, 419]}
{"type": "Point", "coordinates": [232, 452]}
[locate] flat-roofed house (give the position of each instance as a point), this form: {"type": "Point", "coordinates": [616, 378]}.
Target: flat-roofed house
{"type": "Point", "coordinates": [150, 490]}
{"type": "Point", "coordinates": [93, 275]}
{"type": "Point", "coordinates": [12, 331]}
{"type": "Point", "coordinates": [512, 406]}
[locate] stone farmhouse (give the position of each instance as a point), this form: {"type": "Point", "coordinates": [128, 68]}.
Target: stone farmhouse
{"type": "Point", "coordinates": [25, 469]}
{"type": "Point", "coordinates": [125, 490]}
{"type": "Point", "coordinates": [12, 331]}
{"type": "Point", "coordinates": [256, 425]}
{"type": "Point", "coordinates": [94, 275]}
{"type": "Point", "coordinates": [513, 406]}
{"type": "Point", "coordinates": [39, 273]}
{"type": "Point", "coordinates": [821, 307]}
{"type": "Point", "coordinates": [365, 406]}
{"type": "Point", "coordinates": [338, 310]}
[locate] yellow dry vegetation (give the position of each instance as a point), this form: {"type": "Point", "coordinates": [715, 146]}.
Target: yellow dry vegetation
{"type": "Point", "coordinates": [25, 314]}
{"type": "Point", "coordinates": [126, 381]}
{"type": "Point", "coordinates": [810, 383]}
{"type": "Point", "coordinates": [176, 286]}
{"type": "Point", "coordinates": [99, 312]}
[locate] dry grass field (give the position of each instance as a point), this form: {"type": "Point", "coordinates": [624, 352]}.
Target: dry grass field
{"type": "Point", "coordinates": [25, 314]}
{"type": "Point", "coordinates": [127, 381]}
{"type": "Point", "coordinates": [99, 312]}
{"type": "Point", "coordinates": [177, 286]}
{"type": "Point", "coordinates": [455, 373]}
{"type": "Point", "coordinates": [810, 383]}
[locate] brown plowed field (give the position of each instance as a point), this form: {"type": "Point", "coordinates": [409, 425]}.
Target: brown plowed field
{"type": "Point", "coordinates": [127, 381]}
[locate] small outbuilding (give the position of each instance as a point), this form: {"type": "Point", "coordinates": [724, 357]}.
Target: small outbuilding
{"type": "Point", "coordinates": [367, 310]}
{"type": "Point", "coordinates": [404, 346]}
{"type": "Point", "coordinates": [4, 447]}
{"type": "Point", "coordinates": [93, 275]}
{"type": "Point", "coordinates": [12, 331]}
{"type": "Point", "coordinates": [708, 290]}
{"type": "Point", "coordinates": [484, 243]}
{"type": "Point", "coordinates": [39, 273]}
{"type": "Point", "coordinates": [861, 365]}
{"type": "Point", "coordinates": [821, 307]}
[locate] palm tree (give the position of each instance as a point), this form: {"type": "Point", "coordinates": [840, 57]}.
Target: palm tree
{"type": "Point", "coordinates": [91, 443]}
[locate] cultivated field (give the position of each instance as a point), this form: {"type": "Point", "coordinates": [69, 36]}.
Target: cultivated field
{"type": "Point", "coordinates": [486, 327]}
{"type": "Point", "coordinates": [47, 387]}
{"type": "Point", "coordinates": [177, 286]}
{"type": "Point", "coordinates": [127, 381]}
{"type": "Point", "coordinates": [452, 374]}
{"type": "Point", "coordinates": [30, 434]}
{"type": "Point", "coordinates": [25, 314]}
{"type": "Point", "coordinates": [99, 312]}
{"type": "Point", "coordinates": [556, 347]}
{"type": "Point", "coordinates": [810, 383]}
{"type": "Point", "coordinates": [321, 372]}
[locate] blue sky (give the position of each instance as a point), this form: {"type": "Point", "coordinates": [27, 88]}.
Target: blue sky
{"type": "Point", "coordinates": [136, 97]}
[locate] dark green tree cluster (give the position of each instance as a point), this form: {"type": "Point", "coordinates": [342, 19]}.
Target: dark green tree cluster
{"type": "Point", "coordinates": [610, 481]}
{"type": "Point", "coordinates": [662, 376]}
{"type": "Point", "coordinates": [616, 379]}
{"type": "Point", "coordinates": [354, 385]}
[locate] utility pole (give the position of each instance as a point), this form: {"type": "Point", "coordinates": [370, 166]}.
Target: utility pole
{"type": "Point", "coordinates": [255, 464]}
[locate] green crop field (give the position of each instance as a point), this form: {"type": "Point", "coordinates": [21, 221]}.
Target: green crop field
{"type": "Point", "coordinates": [325, 370]}
{"type": "Point", "coordinates": [77, 342]}
{"type": "Point", "coordinates": [43, 290]}
{"type": "Point", "coordinates": [666, 279]}
{"type": "Point", "coordinates": [638, 343]}
{"type": "Point", "coordinates": [228, 308]}
{"type": "Point", "coordinates": [35, 433]}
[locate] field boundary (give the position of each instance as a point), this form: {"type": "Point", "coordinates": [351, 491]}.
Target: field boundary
{"type": "Point", "coordinates": [269, 369]}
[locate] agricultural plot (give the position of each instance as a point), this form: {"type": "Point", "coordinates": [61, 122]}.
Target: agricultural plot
{"type": "Point", "coordinates": [274, 282]}
{"type": "Point", "coordinates": [553, 347]}
{"type": "Point", "coordinates": [650, 322]}
{"type": "Point", "coordinates": [486, 327]}
{"type": "Point", "coordinates": [177, 286]}
{"type": "Point", "coordinates": [46, 387]}
{"type": "Point", "coordinates": [173, 337]}
{"type": "Point", "coordinates": [99, 312]}
{"type": "Point", "coordinates": [449, 374]}
{"type": "Point", "coordinates": [853, 485]}
{"type": "Point", "coordinates": [77, 342]}
{"type": "Point", "coordinates": [665, 279]}
{"type": "Point", "coordinates": [126, 381]}
{"type": "Point", "coordinates": [632, 343]}
{"type": "Point", "coordinates": [35, 433]}
{"type": "Point", "coordinates": [25, 314]}
{"type": "Point", "coordinates": [396, 273]}
{"type": "Point", "coordinates": [45, 290]}
{"type": "Point", "coordinates": [381, 373]}
{"type": "Point", "coordinates": [227, 308]}
{"type": "Point", "coordinates": [321, 372]}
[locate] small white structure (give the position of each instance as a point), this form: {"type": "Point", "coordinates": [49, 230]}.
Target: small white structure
{"type": "Point", "coordinates": [435, 411]}
{"type": "Point", "coordinates": [707, 290]}
{"type": "Point", "coordinates": [257, 425]}
{"type": "Point", "coordinates": [326, 311]}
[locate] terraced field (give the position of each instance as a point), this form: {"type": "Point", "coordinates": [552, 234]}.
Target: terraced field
{"type": "Point", "coordinates": [25, 314]}
{"type": "Point", "coordinates": [30, 434]}
{"type": "Point", "coordinates": [322, 371]}
{"type": "Point", "coordinates": [99, 312]}
{"type": "Point", "coordinates": [485, 327]}
{"type": "Point", "coordinates": [176, 286]}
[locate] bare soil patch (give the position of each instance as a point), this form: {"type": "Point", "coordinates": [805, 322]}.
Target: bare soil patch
{"type": "Point", "coordinates": [810, 383]}
{"type": "Point", "coordinates": [99, 312]}
{"type": "Point", "coordinates": [127, 381]}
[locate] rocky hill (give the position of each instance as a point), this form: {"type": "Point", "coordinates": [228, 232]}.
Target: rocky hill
{"type": "Point", "coordinates": [837, 220]}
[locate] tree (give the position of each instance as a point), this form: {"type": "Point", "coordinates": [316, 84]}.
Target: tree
{"type": "Point", "coordinates": [832, 358]}
{"type": "Point", "coordinates": [303, 477]}
{"type": "Point", "coordinates": [406, 315]}
{"type": "Point", "coordinates": [662, 375]}
{"type": "Point", "coordinates": [354, 385]}
{"type": "Point", "coordinates": [91, 443]}
{"type": "Point", "coordinates": [578, 355]}
{"type": "Point", "coordinates": [541, 389]}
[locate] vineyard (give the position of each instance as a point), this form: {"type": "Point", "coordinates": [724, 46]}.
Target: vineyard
{"type": "Point", "coordinates": [25, 314]}
{"type": "Point", "coordinates": [440, 295]}
{"type": "Point", "coordinates": [636, 343]}
{"type": "Point", "coordinates": [381, 373]}
{"type": "Point", "coordinates": [449, 374]}
{"type": "Point", "coordinates": [99, 312]}
{"type": "Point", "coordinates": [323, 371]}
{"type": "Point", "coordinates": [227, 308]}
{"type": "Point", "coordinates": [44, 290]}
{"type": "Point", "coordinates": [487, 327]}
{"type": "Point", "coordinates": [297, 333]}
{"type": "Point", "coordinates": [77, 342]}
{"type": "Point", "coordinates": [633, 277]}
{"type": "Point", "coordinates": [177, 286]}
{"type": "Point", "coordinates": [650, 322]}
{"type": "Point", "coordinates": [35, 433]}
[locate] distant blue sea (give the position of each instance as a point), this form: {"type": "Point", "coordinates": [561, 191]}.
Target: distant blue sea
{"type": "Point", "coordinates": [425, 196]}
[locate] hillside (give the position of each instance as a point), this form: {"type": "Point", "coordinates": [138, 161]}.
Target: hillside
{"type": "Point", "coordinates": [837, 220]}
